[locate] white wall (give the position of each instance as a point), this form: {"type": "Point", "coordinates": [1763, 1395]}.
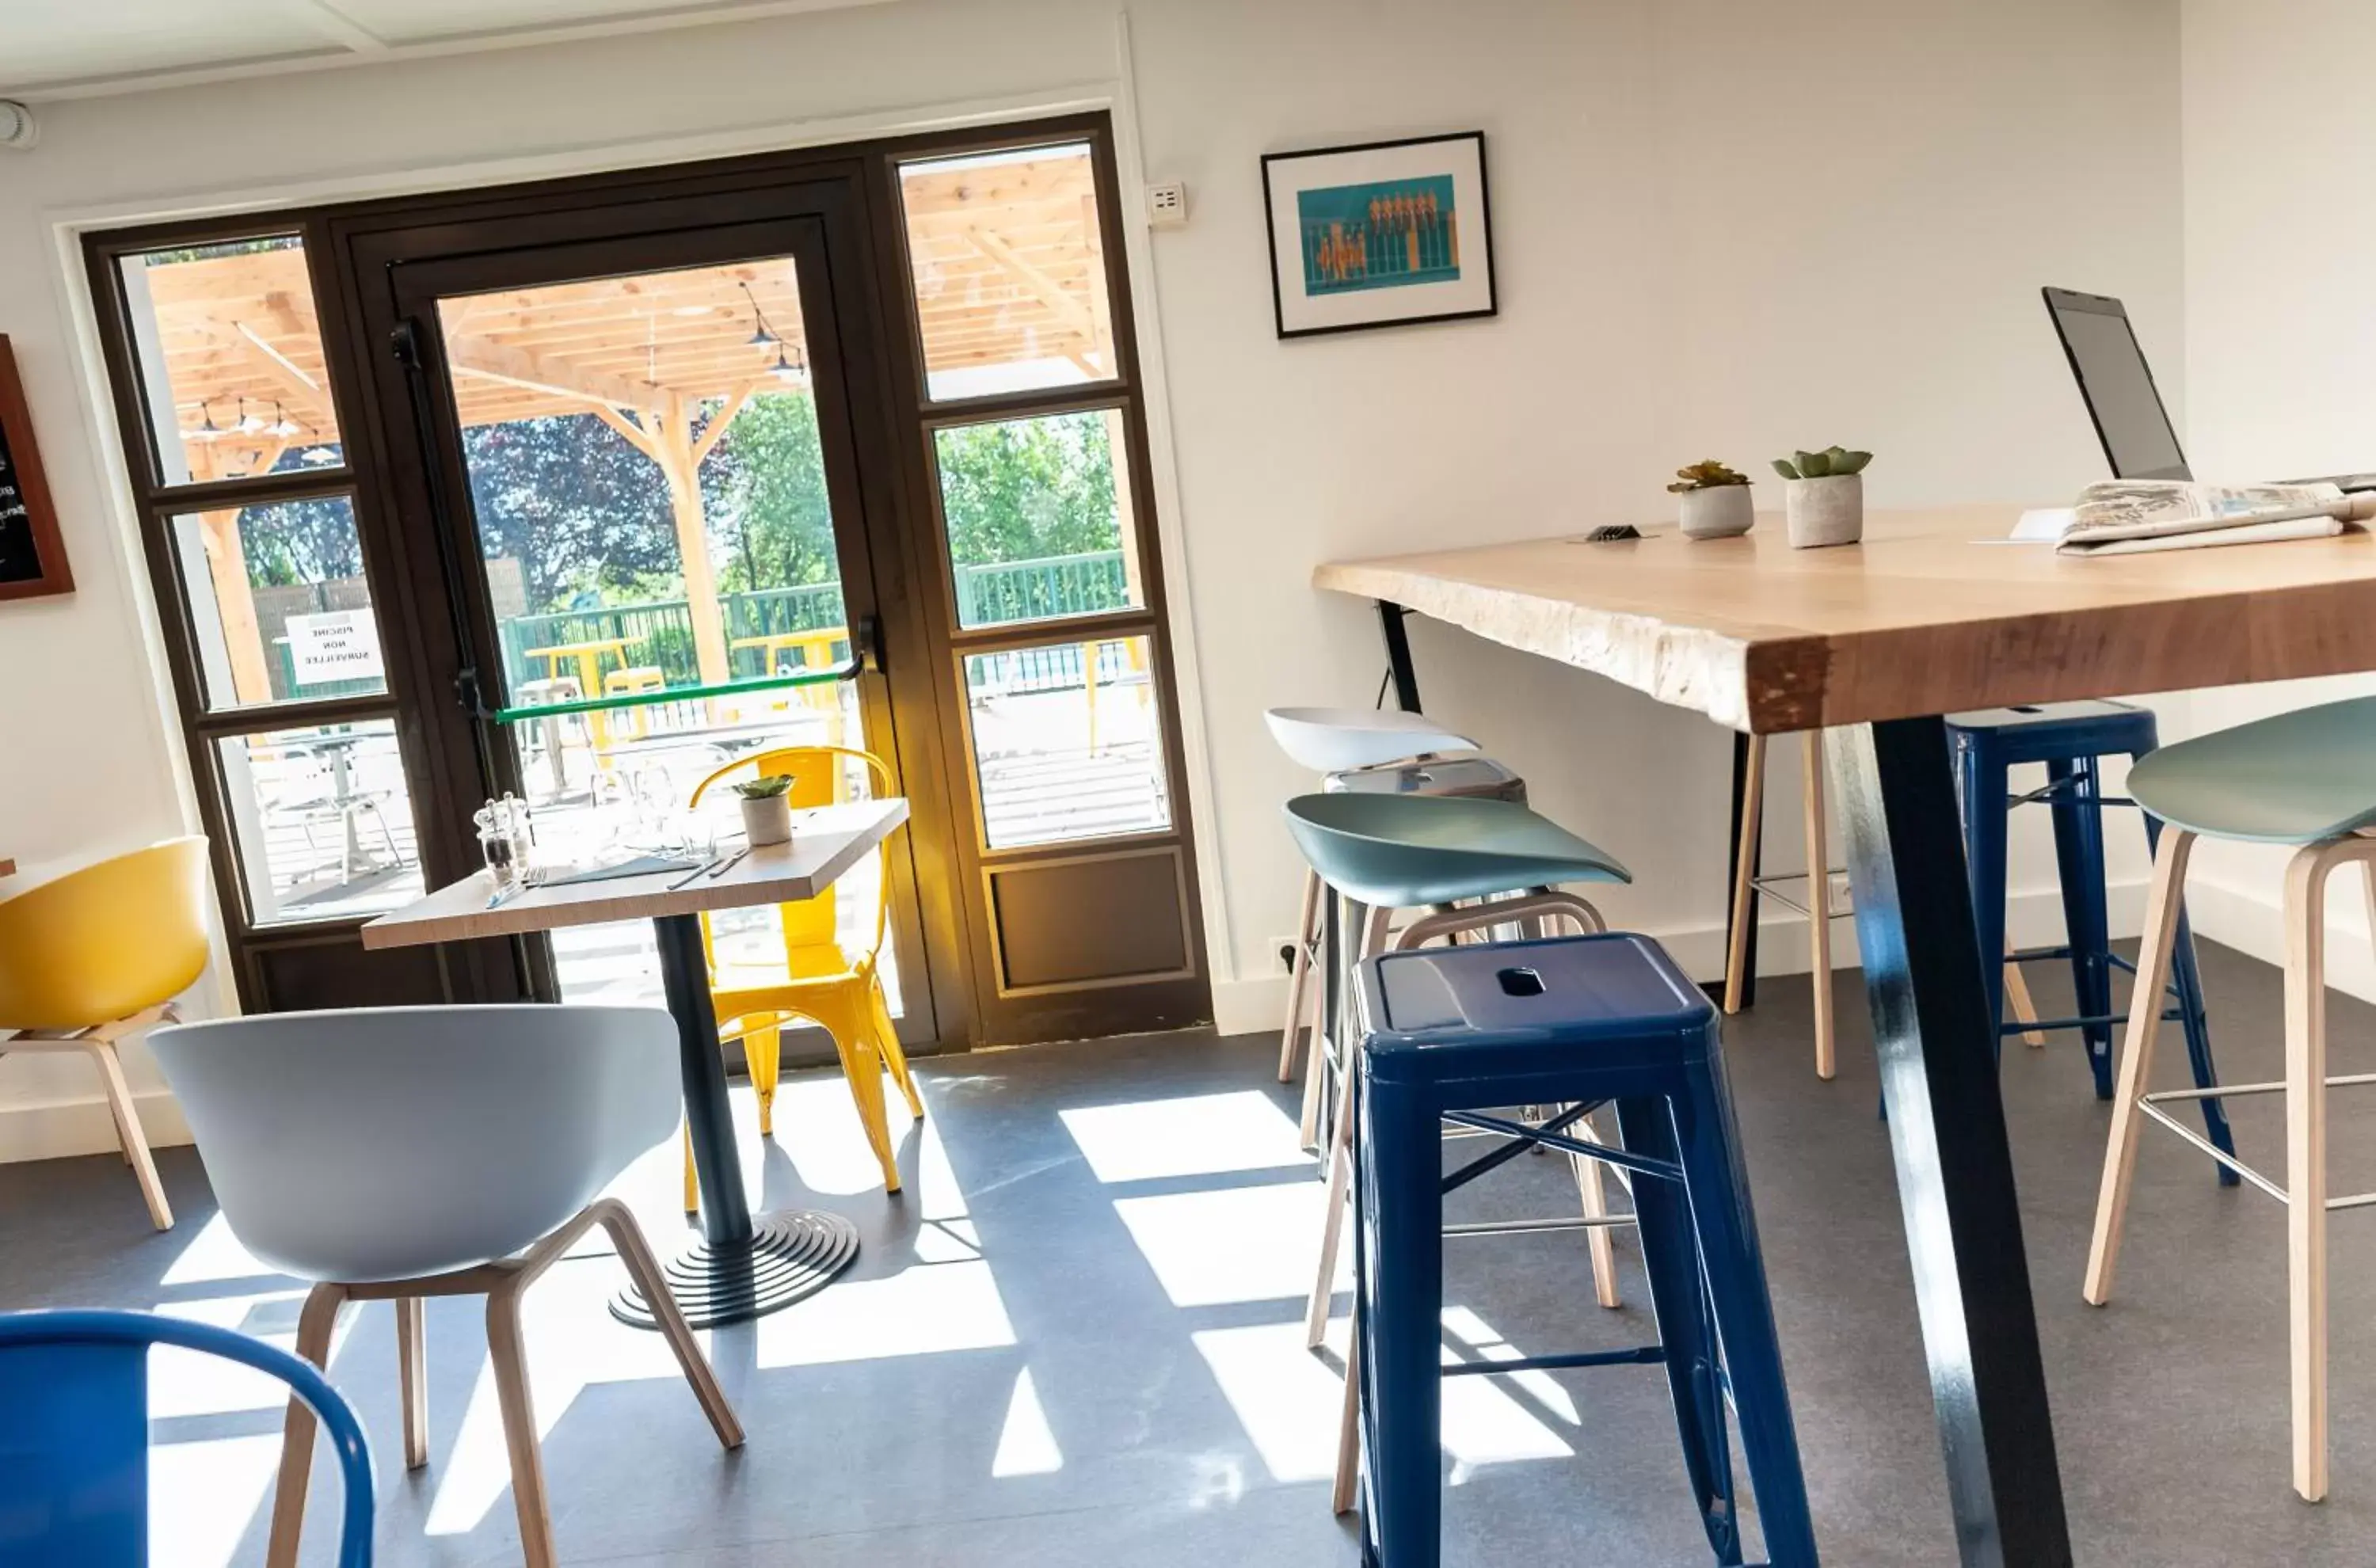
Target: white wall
{"type": "Point", "coordinates": [1723, 228]}
{"type": "Point", "coordinates": [2280, 140]}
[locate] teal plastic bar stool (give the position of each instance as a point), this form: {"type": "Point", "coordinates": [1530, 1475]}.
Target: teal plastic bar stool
{"type": "Point", "coordinates": [1379, 853]}
{"type": "Point", "coordinates": [2309, 779]}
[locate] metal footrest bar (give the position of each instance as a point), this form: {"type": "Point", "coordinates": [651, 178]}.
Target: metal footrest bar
{"type": "Point", "coordinates": [1533, 1227]}
{"type": "Point", "coordinates": [2147, 1104]}
{"type": "Point", "coordinates": [2022, 1026]}
{"type": "Point", "coordinates": [1639, 1356]}
{"type": "Point", "coordinates": [1766, 888]}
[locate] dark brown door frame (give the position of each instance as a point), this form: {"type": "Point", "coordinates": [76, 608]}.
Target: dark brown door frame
{"type": "Point", "coordinates": [898, 503]}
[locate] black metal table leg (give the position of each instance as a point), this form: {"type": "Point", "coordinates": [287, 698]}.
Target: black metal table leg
{"type": "Point", "coordinates": [1947, 1128]}
{"type": "Point", "coordinates": [1399, 670]}
{"type": "Point", "coordinates": [1732, 876]}
{"type": "Point", "coordinates": [741, 1267]}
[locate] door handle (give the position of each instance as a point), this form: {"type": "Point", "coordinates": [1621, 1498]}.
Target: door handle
{"type": "Point", "coordinates": [866, 649]}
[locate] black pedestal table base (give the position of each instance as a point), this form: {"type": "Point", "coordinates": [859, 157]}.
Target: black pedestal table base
{"type": "Point", "coordinates": [789, 1256]}
{"type": "Point", "coordinates": [741, 1268]}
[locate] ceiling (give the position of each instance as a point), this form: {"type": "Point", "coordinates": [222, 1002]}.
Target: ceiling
{"type": "Point", "coordinates": [93, 47]}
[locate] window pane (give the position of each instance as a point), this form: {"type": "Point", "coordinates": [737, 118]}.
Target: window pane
{"type": "Point", "coordinates": [231, 360]}
{"type": "Point", "coordinates": [1066, 742]}
{"type": "Point", "coordinates": [279, 602]}
{"type": "Point", "coordinates": [1010, 271]}
{"type": "Point", "coordinates": [1037, 514]}
{"type": "Point", "coordinates": [323, 822]}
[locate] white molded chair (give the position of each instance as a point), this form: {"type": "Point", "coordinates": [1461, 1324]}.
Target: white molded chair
{"type": "Point", "coordinates": [405, 1152]}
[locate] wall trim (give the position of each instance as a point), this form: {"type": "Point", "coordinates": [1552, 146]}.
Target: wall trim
{"type": "Point", "coordinates": [65, 1129]}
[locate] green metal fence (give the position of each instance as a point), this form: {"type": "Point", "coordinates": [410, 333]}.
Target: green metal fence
{"type": "Point", "coordinates": [660, 634]}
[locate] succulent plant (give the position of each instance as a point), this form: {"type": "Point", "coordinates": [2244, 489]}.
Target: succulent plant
{"type": "Point", "coordinates": [766, 788]}
{"type": "Point", "coordinates": [1710, 475]}
{"type": "Point", "coordinates": [1832, 462]}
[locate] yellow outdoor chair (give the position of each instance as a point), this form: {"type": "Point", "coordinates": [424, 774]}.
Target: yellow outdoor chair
{"type": "Point", "coordinates": [98, 955]}
{"type": "Point", "coordinates": [822, 980]}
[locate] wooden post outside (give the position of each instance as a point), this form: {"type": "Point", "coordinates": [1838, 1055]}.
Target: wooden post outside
{"type": "Point", "coordinates": [251, 679]}
{"type": "Point", "coordinates": [673, 449]}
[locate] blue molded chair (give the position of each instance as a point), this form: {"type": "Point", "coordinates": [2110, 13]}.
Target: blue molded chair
{"type": "Point", "coordinates": [2070, 739]}
{"type": "Point", "coordinates": [1575, 1021]}
{"type": "Point", "coordinates": [73, 1433]}
{"type": "Point", "coordinates": [2307, 779]}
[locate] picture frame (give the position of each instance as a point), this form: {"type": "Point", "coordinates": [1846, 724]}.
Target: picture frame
{"type": "Point", "coordinates": [32, 555]}
{"type": "Point", "coordinates": [1383, 233]}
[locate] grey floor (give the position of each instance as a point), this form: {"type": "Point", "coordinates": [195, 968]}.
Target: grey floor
{"type": "Point", "coordinates": [1074, 1339]}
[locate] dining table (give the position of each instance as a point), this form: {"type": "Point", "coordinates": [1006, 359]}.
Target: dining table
{"type": "Point", "coordinates": [1934, 612]}
{"type": "Point", "coordinates": [743, 1265]}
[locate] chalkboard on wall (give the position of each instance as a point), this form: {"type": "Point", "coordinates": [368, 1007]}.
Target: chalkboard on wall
{"type": "Point", "coordinates": [33, 557]}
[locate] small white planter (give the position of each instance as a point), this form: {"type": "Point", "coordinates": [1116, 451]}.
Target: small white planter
{"type": "Point", "coordinates": [1718, 512]}
{"type": "Point", "coordinates": [1829, 510]}
{"type": "Point", "coordinates": [767, 820]}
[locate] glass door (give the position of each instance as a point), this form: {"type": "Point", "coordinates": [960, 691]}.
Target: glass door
{"type": "Point", "coordinates": [638, 454]}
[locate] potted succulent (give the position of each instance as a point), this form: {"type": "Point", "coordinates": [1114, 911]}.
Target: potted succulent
{"type": "Point", "coordinates": [1715, 500]}
{"type": "Point", "coordinates": [767, 810]}
{"type": "Point", "coordinates": [1824, 503]}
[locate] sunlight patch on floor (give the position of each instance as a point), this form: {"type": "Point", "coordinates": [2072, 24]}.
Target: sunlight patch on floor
{"type": "Point", "coordinates": [1237, 1244]}
{"type": "Point", "coordinates": [202, 1495]}
{"type": "Point", "coordinates": [1194, 1136]}
{"type": "Point", "coordinates": [1286, 1397]}
{"type": "Point", "coordinates": [212, 1254]}
{"type": "Point", "coordinates": [916, 1312]}
{"type": "Point", "coordinates": [1026, 1444]}
{"type": "Point", "coordinates": [191, 1383]}
{"type": "Point", "coordinates": [1486, 1341]}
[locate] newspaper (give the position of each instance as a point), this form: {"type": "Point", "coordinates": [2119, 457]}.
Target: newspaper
{"type": "Point", "coordinates": [2119, 516]}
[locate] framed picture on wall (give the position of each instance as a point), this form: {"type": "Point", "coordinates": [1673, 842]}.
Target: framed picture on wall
{"type": "Point", "coordinates": [1379, 234]}
{"type": "Point", "coordinates": [33, 557]}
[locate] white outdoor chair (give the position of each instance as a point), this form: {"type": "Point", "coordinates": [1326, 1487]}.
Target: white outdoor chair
{"type": "Point", "coordinates": [405, 1152]}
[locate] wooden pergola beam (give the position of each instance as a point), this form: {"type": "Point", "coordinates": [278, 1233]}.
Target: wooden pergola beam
{"type": "Point", "coordinates": [489, 361]}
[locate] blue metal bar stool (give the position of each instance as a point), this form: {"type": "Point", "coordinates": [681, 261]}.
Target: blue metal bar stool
{"type": "Point", "coordinates": [1455, 1033]}
{"type": "Point", "coordinates": [73, 1433]}
{"type": "Point", "coordinates": [2069, 738]}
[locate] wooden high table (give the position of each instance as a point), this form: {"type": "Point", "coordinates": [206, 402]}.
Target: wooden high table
{"type": "Point", "coordinates": [742, 1267]}
{"type": "Point", "coordinates": [1884, 637]}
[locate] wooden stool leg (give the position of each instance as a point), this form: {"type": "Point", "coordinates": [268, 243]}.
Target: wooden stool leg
{"type": "Point", "coordinates": [1752, 809]}
{"type": "Point", "coordinates": [128, 1130]}
{"type": "Point", "coordinates": [1298, 976]}
{"type": "Point", "coordinates": [1819, 899]}
{"type": "Point", "coordinates": [2305, 1157]}
{"type": "Point", "coordinates": [2018, 1003]}
{"type": "Point", "coordinates": [1592, 1187]}
{"type": "Point", "coordinates": [316, 1323]}
{"type": "Point", "coordinates": [2163, 901]}
{"type": "Point", "coordinates": [1340, 1164]}
{"type": "Point", "coordinates": [1348, 1431]}
{"type": "Point", "coordinates": [507, 1359]}
{"type": "Point", "coordinates": [413, 1377]}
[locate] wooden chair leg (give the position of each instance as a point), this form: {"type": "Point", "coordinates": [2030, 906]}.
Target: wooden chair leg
{"type": "Point", "coordinates": [1348, 1431]}
{"type": "Point", "coordinates": [1315, 1073]}
{"type": "Point", "coordinates": [635, 1251]}
{"type": "Point", "coordinates": [2018, 1003]}
{"type": "Point", "coordinates": [128, 1130]}
{"type": "Point", "coordinates": [2305, 1157]}
{"type": "Point", "coordinates": [507, 1359]}
{"type": "Point", "coordinates": [413, 1377]}
{"type": "Point", "coordinates": [1299, 975]}
{"type": "Point", "coordinates": [1752, 808]}
{"type": "Point", "coordinates": [1592, 1187]}
{"type": "Point", "coordinates": [316, 1323]}
{"type": "Point", "coordinates": [2163, 901]}
{"type": "Point", "coordinates": [1819, 899]}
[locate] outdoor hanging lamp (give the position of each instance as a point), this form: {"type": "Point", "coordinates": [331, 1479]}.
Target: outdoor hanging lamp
{"type": "Point", "coordinates": [207, 430]}
{"type": "Point", "coordinates": [282, 425]}
{"type": "Point", "coordinates": [760, 338]}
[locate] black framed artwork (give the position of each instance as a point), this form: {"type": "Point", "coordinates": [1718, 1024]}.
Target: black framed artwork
{"type": "Point", "coordinates": [1379, 234]}
{"type": "Point", "coordinates": [32, 556]}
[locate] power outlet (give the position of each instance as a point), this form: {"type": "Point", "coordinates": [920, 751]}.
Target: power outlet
{"type": "Point", "coordinates": [1283, 949]}
{"type": "Point", "coordinates": [1166, 204]}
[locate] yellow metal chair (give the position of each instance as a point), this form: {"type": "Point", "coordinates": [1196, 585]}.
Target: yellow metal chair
{"type": "Point", "coordinates": [98, 955]}
{"type": "Point", "coordinates": [822, 978]}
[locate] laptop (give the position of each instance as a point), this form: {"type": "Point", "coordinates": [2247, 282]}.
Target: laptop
{"type": "Point", "coordinates": [2122, 400]}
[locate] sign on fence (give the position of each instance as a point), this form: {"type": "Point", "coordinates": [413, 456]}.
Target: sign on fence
{"type": "Point", "coordinates": [342, 645]}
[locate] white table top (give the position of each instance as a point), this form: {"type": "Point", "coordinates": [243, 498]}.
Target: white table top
{"type": "Point", "coordinates": [827, 842]}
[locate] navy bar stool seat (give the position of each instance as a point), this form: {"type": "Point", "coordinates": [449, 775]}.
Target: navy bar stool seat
{"type": "Point", "coordinates": [1457, 1032]}
{"type": "Point", "coordinates": [2070, 738]}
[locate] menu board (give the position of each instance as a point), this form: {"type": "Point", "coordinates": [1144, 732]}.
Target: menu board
{"type": "Point", "coordinates": [33, 557]}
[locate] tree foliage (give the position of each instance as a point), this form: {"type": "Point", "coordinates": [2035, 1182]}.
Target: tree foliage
{"type": "Point", "coordinates": [1027, 488]}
